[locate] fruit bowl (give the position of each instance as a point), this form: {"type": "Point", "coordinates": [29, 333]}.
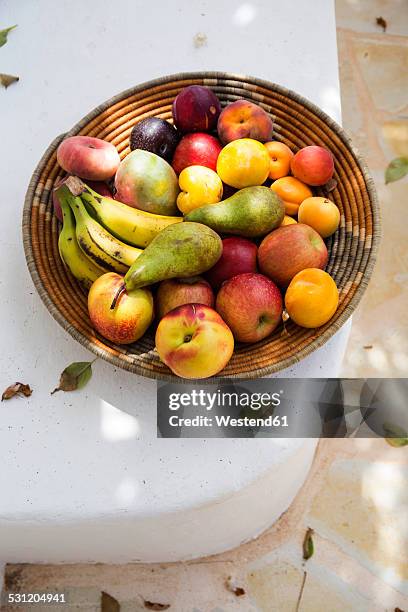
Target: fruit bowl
{"type": "Point", "coordinates": [297, 123]}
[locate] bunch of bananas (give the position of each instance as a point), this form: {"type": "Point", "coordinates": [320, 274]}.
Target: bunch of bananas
{"type": "Point", "coordinates": [100, 234]}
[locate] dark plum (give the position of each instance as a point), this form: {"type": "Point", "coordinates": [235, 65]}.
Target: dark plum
{"type": "Point", "coordinates": [155, 135]}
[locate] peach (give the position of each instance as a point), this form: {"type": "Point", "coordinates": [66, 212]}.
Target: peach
{"type": "Point", "coordinates": [199, 186]}
{"type": "Point", "coordinates": [320, 213]}
{"type": "Point", "coordinates": [178, 291]}
{"type": "Point", "coordinates": [290, 249]}
{"type": "Point", "coordinates": [129, 320]}
{"type": "Point", "coordinates": [244, 119]}
{"type": "Point", "coordinates": [243, 163]}
{"type": "Point", "coordinates": [89, 158]}
{"type": "Point", "coordinates": [311, 298]}
{"type": "Point", "coordinates": [194, 342]}
{"type": "Point", "coordinates": [280, 156]}
{"type": "Point", "coordinates": [292, 191]}
{"type": "Point", "coordinates": [313, 165]}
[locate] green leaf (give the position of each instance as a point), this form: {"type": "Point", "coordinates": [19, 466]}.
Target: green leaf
{"type": "Point", "coordinates": [308, 546]}
{"type": "Point", "coordinates": [4, 34]}
{"type": "Point", "coordinates": [395, 435]}
{"type": "Point", "coordinates": [75, 376]}
{"type": "Point", "coordinates": [396, 169]}
{"type": "Point", "coordinates": [8, 79]}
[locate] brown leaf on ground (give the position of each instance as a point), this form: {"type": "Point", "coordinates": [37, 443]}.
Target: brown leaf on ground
{"type": "Point", "coordinates": [19, 389]}
{"type": "Point", "coordinates": [109, 603]}
{"type": "Point", "coordinates": [8, 79]}
{"type": "Point", "coordinates": [151, 605]}
{"type": "Point", "coordinates": [232, 586]}
{"type": "Point", "coordinates": [380, 21]}
{"type": "Point", "coordinates": [308, 546]}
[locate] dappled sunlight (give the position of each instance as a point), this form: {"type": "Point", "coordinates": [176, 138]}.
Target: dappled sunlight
{"type": "Point", "coordinates": [117, 425]}
{"type": "Point", "coordinates": [244, 15]}
{"type": "Point", "coordinates": [126, 491]}
{"type": "Point", "coordinates": [330, 102]}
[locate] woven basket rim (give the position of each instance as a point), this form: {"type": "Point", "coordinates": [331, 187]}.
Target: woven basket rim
{"type": "Point", "coordinates": [203, 75]}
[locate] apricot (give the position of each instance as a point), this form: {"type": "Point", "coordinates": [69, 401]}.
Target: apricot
{"type": "Point", "coordinates": [243, 163]}
{"type": "Point", "coordinates": [280, 156]}
{"type": "Point", "coordinates": [313, 165]}
{"type": "Point", "coordinates": [311, 298]}
{"type": "Point", "coordinates": [288, 220]}
{"type": "Point", "coordinates": [321, 214]}
{"type": "Point", "coordinates": [244, 119]}
{"type": "Point", "coordinates": [292, 191]}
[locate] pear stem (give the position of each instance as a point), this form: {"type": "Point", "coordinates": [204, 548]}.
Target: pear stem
{"type": "Point", "coordinates": [118, 295]}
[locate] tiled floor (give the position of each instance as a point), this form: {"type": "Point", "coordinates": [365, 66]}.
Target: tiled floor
{"type": "Point", "coordinates": [356, 496]}
{"type": "Point", "coordinates": [374, 86]}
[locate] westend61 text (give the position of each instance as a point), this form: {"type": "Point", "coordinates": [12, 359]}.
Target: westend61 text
{"type": "Point", "coordinates": [228, 421]}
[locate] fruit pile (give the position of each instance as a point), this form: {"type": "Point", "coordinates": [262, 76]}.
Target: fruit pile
{"type": "Point", "coordinates": [208, 225]}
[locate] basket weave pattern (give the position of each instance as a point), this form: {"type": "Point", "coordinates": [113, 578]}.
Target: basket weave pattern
{"type": "Point", "coordinates": [297, 123]}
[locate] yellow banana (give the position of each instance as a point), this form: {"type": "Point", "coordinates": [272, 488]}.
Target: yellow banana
{"type": "Point", "coordinates": [83, 269]}
{"type": "Point", "coordinates": [98, 244]}
{"type": "Point", "coordinates": [134, 226]}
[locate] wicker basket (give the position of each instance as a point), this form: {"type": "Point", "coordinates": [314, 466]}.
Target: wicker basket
{"type": "Point", "coordinates": [298, 123]}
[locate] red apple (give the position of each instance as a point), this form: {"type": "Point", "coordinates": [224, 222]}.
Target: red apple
{"type": "Point", "coordinates": [238, 256]}
{"type": "Point", "coordinates": [178, 291]}
{"type": "Point", "coordinates": [196, 150]}
{"type": "Point", "coordinates": [313, 165]}
{"type": "Point", "coordinates": [196, 109]}
{"type": "Point", "coordinates": [251, 305]}
{"type": "Point", "coordinates": [89, 158]}
{"type": "Point", "coordinates": [130, 318]}
{"type": "Point", "coordinates": [244, 119]}
{"type": "Point", "coordinates": [290, 249]}
{"type": "Point", "coordinates": [194, 342]}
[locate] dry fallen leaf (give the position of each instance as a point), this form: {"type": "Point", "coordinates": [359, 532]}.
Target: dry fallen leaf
{"type": "Point", "coordinates": [17, 389]}
{"type": "Point", "coordinates": [368, 346]}
{"type": "Point", "coordinates": [151, 605]}
{"type": "Point", "coordinates": [109, 603]}
{"type": "Point", "coordinates": [380, 21]}
{"type": "Point", "coordinates": [200, 40]}
{"type": "Point", "coordinates": [8, 79]}
{"type": "Point", "coordinates": [232, 586]}
{"type": "Point", "coordinates": [308, 546]}
{"type": "Point", "coordinates": [75, 376]}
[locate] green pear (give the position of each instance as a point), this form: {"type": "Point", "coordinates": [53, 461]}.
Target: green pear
{"type": "Point", "coordinates": [179, 251]}
{"type": "Point", "coordinates": [250, 212]}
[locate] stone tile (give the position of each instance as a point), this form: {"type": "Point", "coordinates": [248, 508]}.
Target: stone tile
{"type": "Point", "coordinates": [381, 320]}
{"type": "Point", "coordinates": [276, 586]}
{"type": "Point", "coordinates": [360, 15]}
{"type": "Point", "coordinates": [384, 68]}
{"type": "Point", "coordinates": [363, 508]}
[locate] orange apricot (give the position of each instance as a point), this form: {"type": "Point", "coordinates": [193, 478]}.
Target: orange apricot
{"type": "Point", "coordinates": [292, 191]}
{"type": "Point", "coordinates": [321, 214]}
{"type": "Point", "coordinates": [288, 220]}
{"type": "Point", "coordinates": [311, 298]}
{"type": "Point", "coordinates": [280, 156]}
